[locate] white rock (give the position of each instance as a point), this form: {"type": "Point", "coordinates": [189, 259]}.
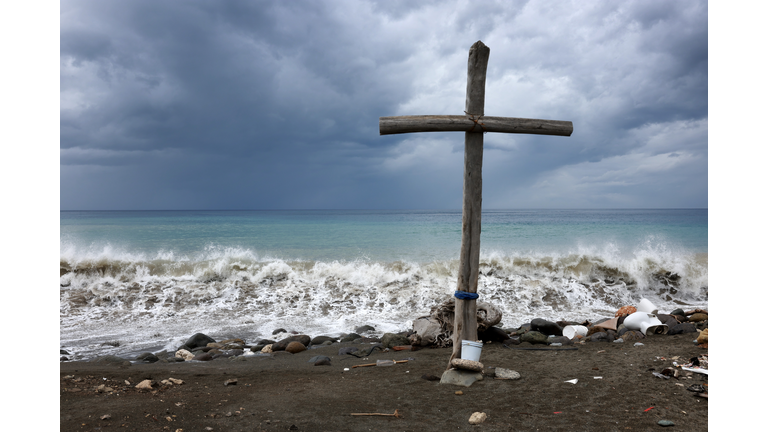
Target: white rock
{"type": "Point", "coordinates": [267, 349]}
{"type": "Point", "coordinates": [507, 374]}
{"type": "Point", "coordinates": [186, 355]}
{"type": "Point", "coordinates": [477, 418]}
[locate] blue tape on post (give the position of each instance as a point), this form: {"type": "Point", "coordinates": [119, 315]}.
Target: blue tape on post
{"type": "Point", "coordinates": [463, 295]}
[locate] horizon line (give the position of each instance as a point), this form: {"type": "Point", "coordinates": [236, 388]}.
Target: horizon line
{"type": "Point", "coordinates": [401, 209]}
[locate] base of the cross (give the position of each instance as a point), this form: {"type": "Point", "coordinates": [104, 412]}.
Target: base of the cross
{"type": "Point", "coordinates": [464, 326]}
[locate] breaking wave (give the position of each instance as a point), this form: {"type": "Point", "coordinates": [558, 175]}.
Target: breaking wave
{"type": "Point", "coordinates": [157, 301]}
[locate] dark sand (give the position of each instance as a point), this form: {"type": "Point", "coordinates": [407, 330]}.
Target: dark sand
{"type": "Point", "coordinates": [285, 392]}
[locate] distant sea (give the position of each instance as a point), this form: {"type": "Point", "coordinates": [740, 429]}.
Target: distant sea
{"type": "Point", "coordinates": [135, 281]}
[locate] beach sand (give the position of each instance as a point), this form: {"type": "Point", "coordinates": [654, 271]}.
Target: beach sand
{"type": "Point", "coordinates": [286, 392]}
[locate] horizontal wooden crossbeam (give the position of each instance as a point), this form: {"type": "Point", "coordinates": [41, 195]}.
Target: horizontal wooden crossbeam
{"type": "Point", "coordinates": [465, 123]}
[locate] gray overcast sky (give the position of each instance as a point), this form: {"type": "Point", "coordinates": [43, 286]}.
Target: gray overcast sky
{"type": "Point", "coordinates": [275, 105]}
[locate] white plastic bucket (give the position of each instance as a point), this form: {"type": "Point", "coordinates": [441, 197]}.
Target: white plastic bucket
{"type": "Point", "coordinates": [572, 331]}
{"type": "Point", "coordinates": [471, 350]}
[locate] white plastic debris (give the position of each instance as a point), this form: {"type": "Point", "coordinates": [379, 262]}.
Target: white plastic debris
{"type": "Point", "coordinates": [573, 381]}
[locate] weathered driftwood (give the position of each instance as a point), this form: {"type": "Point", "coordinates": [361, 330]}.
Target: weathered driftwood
{"type": "Point", "coordinates": [464, 123]}
{"type": "Point", "coordinates": [464, 327]}
{"type": "Point", "coordinates": [374, 364]}
{"type": "Point", "coordinates": [474, 124]}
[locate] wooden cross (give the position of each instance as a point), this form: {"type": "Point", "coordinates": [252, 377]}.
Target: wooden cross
{"type": "Point", "coordinates": [474, 124]}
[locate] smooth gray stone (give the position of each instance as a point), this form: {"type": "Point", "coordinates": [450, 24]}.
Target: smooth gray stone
{"type": "Point", "coordinates": [682, 328]}
{"type": "Point", "coordinates": [665, 423]}
{"type": "Point", "coordinates": [365, 329]}
{"type": "Point", "coordinates": [560, 339]}
{"type": "Point", "coordinates": [390, 340]}
{"type": "Point", "coordinates": [319, 340]}
{"type": "Point", "coordinates": [282, 344]}
{"type": "Point", "coordinates": [147, 357]}
{"type": "Point", "coordinates": [547, 327]}
{"type": "Point", "coordinates": [347, 350]}
{"type": "Point", "coordinates": [350, 337]}
{"type": "Point", "coordinates": [460, 377]}
{"type": "Point", "coordinates": [534, 337]}
{"type": "Point", "coordinates": [111, 360]}
{"type": "Point", "coordinates": [198, 340]}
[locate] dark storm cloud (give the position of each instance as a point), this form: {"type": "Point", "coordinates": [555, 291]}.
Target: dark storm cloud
{"type": "Point", "coordinates": [276, 104]}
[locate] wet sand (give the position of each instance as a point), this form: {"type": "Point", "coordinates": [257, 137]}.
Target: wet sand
{"type": "Point", "coordinates": [286, 392]}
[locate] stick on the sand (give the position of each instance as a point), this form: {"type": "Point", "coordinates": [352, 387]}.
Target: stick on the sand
{"type": "Point", "coordinates": [374, 364]}
{"type": "Point", "coordinates": [396, 414]}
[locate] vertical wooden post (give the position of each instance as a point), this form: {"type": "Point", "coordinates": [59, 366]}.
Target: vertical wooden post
{"type": "Point", "coordinates": [465, 318]}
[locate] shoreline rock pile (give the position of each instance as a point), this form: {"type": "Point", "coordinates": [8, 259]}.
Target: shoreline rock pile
{"type": "Point", "coordinates": [628, 324]}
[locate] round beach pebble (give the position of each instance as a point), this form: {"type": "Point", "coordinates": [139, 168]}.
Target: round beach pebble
{"type": "Point", "coordinates": [469, 365]}
{"type": "Point", "coordinates": [295, 347]}
{"type": "Point", "coordinates": [698, 317]}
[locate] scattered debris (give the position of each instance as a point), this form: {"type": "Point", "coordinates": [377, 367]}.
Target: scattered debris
{"type": "Point", "coordinates": [671, 372]}
{"type": "Point", "coordinates": [573, 381]}
{"type": "Point", "coordinates": [232, 381]}
{"type": "Point", "coordinates": [697, 364]}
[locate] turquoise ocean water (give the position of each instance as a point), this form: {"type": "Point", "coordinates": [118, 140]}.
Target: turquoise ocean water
{"type": "Point", "coordinates": [149, 279]}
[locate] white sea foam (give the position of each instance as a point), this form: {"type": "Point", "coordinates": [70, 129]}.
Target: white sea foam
{"type": "Point", "coordinates": [109, 295]}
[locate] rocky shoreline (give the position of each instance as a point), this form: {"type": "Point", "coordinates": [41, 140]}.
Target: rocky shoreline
{"type": "Point", "coordinates": [200, 347]}
{"type": "Point", "coordinates": [528, 378]}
